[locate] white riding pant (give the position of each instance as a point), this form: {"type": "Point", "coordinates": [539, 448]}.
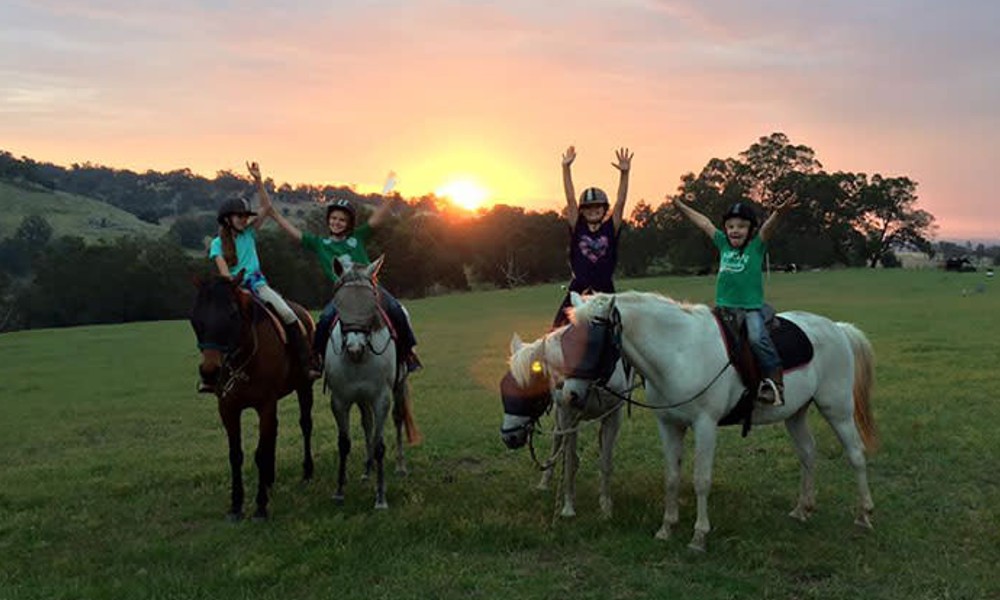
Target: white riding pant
{"type": "Point", "coordinates": [273, 298]}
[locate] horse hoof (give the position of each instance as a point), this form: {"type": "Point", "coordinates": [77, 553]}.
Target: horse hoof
{"type": "Point", "coordinates": [663, 534]}
{"type": "Point", "coordinates": [234, 517]}
{"type": "Point", "coordinates": [260, 517]}
{"type": "Point", "coordinates": [567, 513]}
{"type": "Point", "coordinates": [697, 542]}
{"type": "Point", "coordinates": [338, 499]}
{"type": "Point", "coordinates": [864, 522]}
{"type": "Point", "coordinates": [382, 505]}
{"type": "Point", "coordinates": [799, 514]}
{"type": "Point", "coordinates": [402, 471]}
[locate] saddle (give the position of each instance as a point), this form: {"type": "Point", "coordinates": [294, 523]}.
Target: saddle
{"type": "Point", "coordinates": [794, 349]}
{"type": "Point", "coordinates": [263, 310]}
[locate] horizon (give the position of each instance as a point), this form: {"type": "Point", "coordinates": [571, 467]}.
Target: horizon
{"type": "Point", "coordinates": [483, 99]}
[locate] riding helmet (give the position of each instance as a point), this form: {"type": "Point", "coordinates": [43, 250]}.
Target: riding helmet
{"type": "Point", "coordinates": [233, 206]}
{"type": "Point", "coordinates": [593, 197]}
{"type": "Point", "coordinates": [741, 210]}
{"type": "Point", "coordinates": [345, 205]}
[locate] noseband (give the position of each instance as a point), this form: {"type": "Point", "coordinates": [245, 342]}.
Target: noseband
{"type": "Point", "coordinates": [364, 329]}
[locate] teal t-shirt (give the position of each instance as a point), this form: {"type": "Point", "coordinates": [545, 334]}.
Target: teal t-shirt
{"type": "Point", "coordinates": [349, 251]}
{"type": "Point", "coordinates": [741, 274]}
{"type": "Point", "coordinates": [246, 257]}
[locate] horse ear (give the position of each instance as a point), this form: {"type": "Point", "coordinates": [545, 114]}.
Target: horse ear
{"type": "Point", "coordinates": [338, 267]}
{"type": "Point", "coordinates": [238, 278]}
{"type": "Point", "coordinates": [372, 271]}
{"type": "Point", "coordinates": [576, 300]}
{"type": "Point", "coordinates": [515, 344]}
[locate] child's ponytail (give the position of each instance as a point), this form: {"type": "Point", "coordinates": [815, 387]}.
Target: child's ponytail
{"type": "Point", "coordinates": [228, 244]}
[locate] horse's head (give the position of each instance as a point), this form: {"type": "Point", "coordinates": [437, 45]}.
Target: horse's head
{"type": "Point", "coordinates": [217, 319]}
{"type": "Point", "coordinates": [526, 390]}
{"type": "Point", "coordinates": [357, 299]}
{"type": "Point", "coordinates": [591, 347]}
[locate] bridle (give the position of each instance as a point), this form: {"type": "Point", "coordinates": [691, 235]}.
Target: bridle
{"type": "Point", "coordinates": [364, 329]}
{"type": "Point", "coordinates": [232, 374]}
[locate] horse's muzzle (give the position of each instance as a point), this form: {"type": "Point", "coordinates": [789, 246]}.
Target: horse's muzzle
{"type": "Point", "coordinates": [514, 439]}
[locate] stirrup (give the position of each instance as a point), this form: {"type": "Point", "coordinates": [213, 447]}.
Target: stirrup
{"type": "Point", "coordinates": [769, 392]}
{"type": "Point", "coordinates": [413, 363]}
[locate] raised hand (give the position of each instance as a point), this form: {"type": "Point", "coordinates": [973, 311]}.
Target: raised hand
{"type": "Point", "coordinates": [624, 159]}
{"type": "Point", "coordinates": [254, 170]}
{"type": "Point", "coordinates": [569, 156]}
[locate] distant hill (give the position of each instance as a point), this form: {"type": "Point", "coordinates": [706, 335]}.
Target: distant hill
{"type": "Point", "coordinates": [69, 214]}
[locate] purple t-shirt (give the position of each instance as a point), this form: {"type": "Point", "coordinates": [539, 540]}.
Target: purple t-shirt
{"type": "Point", "coordinates": [593, 256]}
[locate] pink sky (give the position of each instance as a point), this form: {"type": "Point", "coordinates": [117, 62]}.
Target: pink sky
{"type": "Point", "coordinates": [342, 92]}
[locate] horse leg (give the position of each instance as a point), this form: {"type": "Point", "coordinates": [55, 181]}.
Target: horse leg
{"type": "Point", "coordinates": [343, 417]}
{"type": "Point", "coordinates": [381, 410]}
{"type": "Point", "coordinates": [400, 397]}
{"type": "Point", "coordinates": [842, 422]}
{"type": "Point", "coordinates": [705, 432]}
{"type": "Point", "coordinates": [231, 421]}
{"type": "Point", "coordinates": [608, 435]}
{"type": "Point", "coordinates": [805, 447]}
{"type": "Point", "coordinates": [265, 457]}
{"type": "Point", "coordinates": [672, 437]}
{"type": "Point", "coordinates": [366, 426]}
{"type": "Point", "coordinates": [305, 395]}
{"type": "Point", "coordinates": [571, 463]}
{"type": "Point", "coordinates": [550, 463]}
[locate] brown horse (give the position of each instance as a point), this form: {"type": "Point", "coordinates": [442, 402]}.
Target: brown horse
{"type": "Point", "coordinates": [246, 364]}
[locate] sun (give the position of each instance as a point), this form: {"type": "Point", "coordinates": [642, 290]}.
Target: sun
{"type": "Point", "coordinates": [465, 193]}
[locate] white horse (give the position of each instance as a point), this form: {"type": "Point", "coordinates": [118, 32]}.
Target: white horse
{"type": "Point", "coordinates": [361, 368]}
{"type": "Point", "coordinates": [544, 359]}
{"type": "Point", "coordinates": [679, 351]}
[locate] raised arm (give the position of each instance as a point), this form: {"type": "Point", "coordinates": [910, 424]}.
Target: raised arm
{"type": "Point", "coordinates": [572, 211]}
{"type": "Point", "coordinates": [623, 164]}
{"type": "Point", "coordinates": [267, 208]}
{"type": "Point", "coordinates": [379, 214]}
{"type": "Point", "coordinates": [767, 229]}
{"type": "Point", "coordinates": [703, 222]}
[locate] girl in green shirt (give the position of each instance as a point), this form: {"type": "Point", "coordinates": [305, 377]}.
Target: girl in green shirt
{"type": "Point", "coordinates": [346, 243]}
{"type": "Point", "coordinates": [740, 283]}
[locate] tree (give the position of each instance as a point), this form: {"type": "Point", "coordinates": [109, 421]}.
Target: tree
{"type": "Point", "coordinates": [888, 218]}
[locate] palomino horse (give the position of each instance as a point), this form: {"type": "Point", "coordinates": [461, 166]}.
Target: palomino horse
{"type": "Point", "coordinates": [537, 372]}
{"type": "Point", "coordinates": [690, 382]}
{"type": "Point", "coordinates": [361, 368]}
{"type": "Point", "coordinates": [246, 364]}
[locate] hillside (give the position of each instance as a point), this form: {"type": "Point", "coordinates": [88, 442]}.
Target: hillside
{"type": "Point", "coordinates": [69, 214]}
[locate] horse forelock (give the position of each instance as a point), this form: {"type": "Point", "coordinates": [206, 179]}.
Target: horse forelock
{"type": "Point", "coordinates": [521, 362]}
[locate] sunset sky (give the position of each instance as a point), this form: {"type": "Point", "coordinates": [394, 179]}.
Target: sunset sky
{"type": "Point", "coordinates": [491, 93]}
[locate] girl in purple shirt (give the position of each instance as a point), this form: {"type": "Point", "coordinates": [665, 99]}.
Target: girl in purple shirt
{"type": "Point", "coordinates": [593, 228]}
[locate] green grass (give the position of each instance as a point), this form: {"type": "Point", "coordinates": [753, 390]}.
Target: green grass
{"type": "Point", "coordinates": [115, 480]}
{"type": "Point", "coordinates": [69, 214]}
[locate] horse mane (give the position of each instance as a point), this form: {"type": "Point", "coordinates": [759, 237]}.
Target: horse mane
{"type": "Point", "coordinates": [521, 361]}
{"type": "Point", "coordinates": [596, 306]}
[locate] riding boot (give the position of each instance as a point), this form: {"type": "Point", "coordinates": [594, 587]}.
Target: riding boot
{"type": "Point", "coordinates": [300, 351]}
{"type": "Point", "coordinates": [772, 389]}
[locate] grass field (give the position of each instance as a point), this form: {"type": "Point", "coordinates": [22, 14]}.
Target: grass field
{"type": "Point", "coordinates": [69, 214]}
{"type": "Point", "coordinates": [114, 479]}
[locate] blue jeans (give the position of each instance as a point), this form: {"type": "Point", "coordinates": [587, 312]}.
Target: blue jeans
{"type": "Point", "coordinates": [760, 342]}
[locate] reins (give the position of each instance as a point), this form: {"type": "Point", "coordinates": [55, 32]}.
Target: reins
{"type": "Point", "coordinates": [238, 374]}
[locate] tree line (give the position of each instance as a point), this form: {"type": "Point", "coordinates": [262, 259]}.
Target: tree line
{"type": "Point", "coordinates": [840, 219]}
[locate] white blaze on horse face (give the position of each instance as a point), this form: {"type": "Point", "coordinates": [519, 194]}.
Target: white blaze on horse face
{"type": "Point", "coordinates": [355, 343]}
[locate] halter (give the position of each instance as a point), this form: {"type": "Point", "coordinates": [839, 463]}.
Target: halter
{"type": "Point", "coordinates": [233, 374]}
{"type": "Point", "coordinates": [346, 328]}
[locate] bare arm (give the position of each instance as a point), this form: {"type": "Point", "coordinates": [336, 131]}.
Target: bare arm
{"type": "Point", "coordinates": [220, 263]}
{"type": "Point", "coordinates": [267, 209]}
{"type": "Point", "coordinates": [623, 164]}
{"type": "Point", "coordinates": [572, 211]}
{"type": "Point", "coordinates": [703, 222]}
{"type": "Point", "coordinates": [381, 212]}
{"type": "Point", "coordinates": [767, 229]}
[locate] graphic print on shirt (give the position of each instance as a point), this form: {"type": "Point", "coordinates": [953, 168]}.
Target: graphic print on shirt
{"type": "Point", "coordinates": [733, 261]}
{"type": "Point", "coordinates": [594, 248]}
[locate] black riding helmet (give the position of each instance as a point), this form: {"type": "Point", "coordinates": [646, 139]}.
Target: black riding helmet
{"type": "Point", "coordinates": [344, 205]}
{"type": "Point", "coordinates": [741, 210]}
{"type": "Point", "coordinates": [593, 197]}
{"type": "Point", "coordinates": [233, 206]}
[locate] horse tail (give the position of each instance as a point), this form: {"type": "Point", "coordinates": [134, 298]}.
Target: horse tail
{"type": "Point", "coordinates": [864, 381]}
{"type": "Point", "coordinates": [413, 435]}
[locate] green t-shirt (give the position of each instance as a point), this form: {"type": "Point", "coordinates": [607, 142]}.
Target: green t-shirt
{"type": "Point", "coordinates": [741, 275]}
{"type": "Point", "coordinates": [349, 251]}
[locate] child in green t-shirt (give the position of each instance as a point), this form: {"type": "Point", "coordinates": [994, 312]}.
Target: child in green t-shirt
{"type": "Point", "coordinates": [740, 283]}
{"type": "Point", "coordinates": [346, 243]}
